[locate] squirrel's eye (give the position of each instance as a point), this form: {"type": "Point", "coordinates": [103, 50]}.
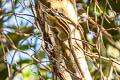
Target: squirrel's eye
{"type": "Point", "coordinates": [51, 14]}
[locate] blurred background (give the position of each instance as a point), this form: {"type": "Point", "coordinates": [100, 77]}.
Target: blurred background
{"type": "Point", "coordinates": [21, 50]}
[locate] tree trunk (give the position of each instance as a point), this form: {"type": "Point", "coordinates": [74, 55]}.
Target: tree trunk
{"type": "Point", "coordinates": [67, 57]}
